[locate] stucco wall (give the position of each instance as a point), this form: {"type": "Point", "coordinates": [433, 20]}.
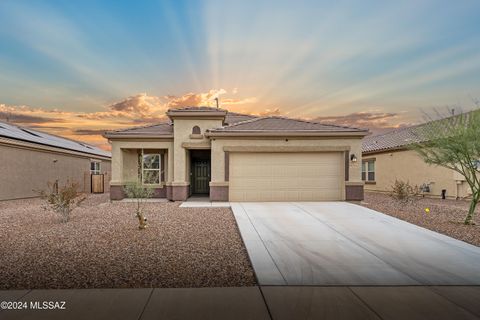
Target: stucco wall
{"type": "Point", "coordinates": [406, 165]}
{"type": "Point", "coordinates": [182, 130]}
{"type": "Point", "coordinates": [125, 161]}
{"type": "Point", "coordinates": [218, 155]}
{"type": "Point", "coordinates": [24, 170]}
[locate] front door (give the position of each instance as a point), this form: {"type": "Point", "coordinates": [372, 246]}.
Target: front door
{"type": "Point", "coordinates": [201, 177]}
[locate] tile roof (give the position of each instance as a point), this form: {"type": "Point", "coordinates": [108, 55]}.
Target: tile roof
{"type": "Point", "coordinates": [393, 140]}
{"type": "Point", "coordinates": [15, 132]}
{"type": "Point", "coordinates": [200, 108]}
{"type": "Point", "coordinates": [233, 117]}
{"type": "Point", "coordinates": [401, 138]}
{"type": "Point", "coordinates": [237, 122]}
{"type": "Point", "coordinates": [276, 123]}
{"type": "Point", "coordinates": [160, 129]}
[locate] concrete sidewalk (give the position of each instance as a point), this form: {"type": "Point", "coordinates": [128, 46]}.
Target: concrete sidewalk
{"type": "Point", "coordinates": [266, 302]}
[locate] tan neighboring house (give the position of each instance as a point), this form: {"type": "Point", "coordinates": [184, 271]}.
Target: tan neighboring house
{"type": "Point", "coordinates": [387, 157]}
{"type": "Point", "coordinates": [29, 159]}
{"type": "Point", "coordinates": [233, 157]}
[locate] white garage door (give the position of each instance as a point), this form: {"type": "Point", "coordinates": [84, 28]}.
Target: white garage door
{"type": "Point", "coordinates": [286, 176]}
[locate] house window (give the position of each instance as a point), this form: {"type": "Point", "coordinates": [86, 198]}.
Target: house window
{"type": "Point", "coordinates": [368, 170]}
{"type": "Point", "coordinates": [95, 167]}
{"type": "Point", "coordinates": [196, 130]}
{"type": "Point", "coordinates": [150, 168]}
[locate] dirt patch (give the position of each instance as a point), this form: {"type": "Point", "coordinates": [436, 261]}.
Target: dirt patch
{"type": "Point", "coordinates": [101, 247]}
{"type": "Point", "coordinates": [445, 216]}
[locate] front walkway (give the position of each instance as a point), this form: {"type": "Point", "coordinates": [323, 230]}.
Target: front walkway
{"type": "Point", "coordinates": [338, 243]}
{"type": "Point", "coordinates": [276, 302]}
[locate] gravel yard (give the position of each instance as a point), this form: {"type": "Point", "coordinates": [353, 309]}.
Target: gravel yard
{"type": "Point", "coordinates": [445, 216]}
{"type": "Point", "coordinates": [102, 247]}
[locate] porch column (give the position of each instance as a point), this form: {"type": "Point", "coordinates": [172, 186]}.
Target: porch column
{"type": "Point", "coordinates": [116, 183]}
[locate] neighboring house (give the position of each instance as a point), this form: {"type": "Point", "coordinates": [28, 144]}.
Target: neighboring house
{"type": "Point", "coordinates": [29, 159]}
{"type": "Point", "coordinates": [230, 156]}
{"type": "Point", "coordinates": [387, 157]}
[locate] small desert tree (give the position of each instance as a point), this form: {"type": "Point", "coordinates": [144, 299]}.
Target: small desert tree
{"type": "Point", "coordinates": [139, 193]}
{"type": "Point", "coordinates": [454, 143]}
{"type": "Point", "coordinates": [62, 199]}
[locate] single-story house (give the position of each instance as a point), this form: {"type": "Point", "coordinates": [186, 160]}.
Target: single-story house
{"type": "Point", "coordinates": [235, 157]}
{"type": "Point", "coordinates": [387, 157]}
{"type": "Point", "coordinates": [30, 159]}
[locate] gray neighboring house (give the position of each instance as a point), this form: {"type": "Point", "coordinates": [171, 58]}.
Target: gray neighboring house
{"type": "Point", "coordinates": [29, 159]}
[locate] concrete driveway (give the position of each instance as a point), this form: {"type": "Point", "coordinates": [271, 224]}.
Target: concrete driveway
{"type": "Point", "coordinates": [338, 243]}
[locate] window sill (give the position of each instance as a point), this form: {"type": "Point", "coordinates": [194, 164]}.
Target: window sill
{"type": "Point", "coordinates": [196, 136]}
{"type": "Point", "coordinates": [370, 182]}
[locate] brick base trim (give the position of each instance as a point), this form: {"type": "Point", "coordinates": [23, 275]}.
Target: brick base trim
{"type": "Point", "coordinates": [354, 193]}
{"type": "Point", "coordinates": [179, 193]}
{"type": "Point", "coordinates": [218, 193]}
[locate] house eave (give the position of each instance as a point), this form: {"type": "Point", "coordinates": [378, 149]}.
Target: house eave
{"type": "Point", "coordinates": [115, 136]}
{"type": "Point", "coordinates": [384, 150]}
{"type": "Point", "coordinates": [306, 133]}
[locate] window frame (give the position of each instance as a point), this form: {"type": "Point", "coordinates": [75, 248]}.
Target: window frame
{"type": "Point", "coordinates": [95, 170]}
{"type": "Point", "coordinates": [366, 170]}
{"type": "Point", "coordinates": [143, 169]}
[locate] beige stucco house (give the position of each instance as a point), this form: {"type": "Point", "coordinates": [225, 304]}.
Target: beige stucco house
{"type": "Point", "coordinates": [234, 157]}
{"type": "Point", "coordinates": [387, 157]}
{"type": "Point", "coordinates": [29, 159]}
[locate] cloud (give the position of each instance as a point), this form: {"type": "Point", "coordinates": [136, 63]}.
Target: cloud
{"type": "Point", "coordinates": [134, 110]}
{"type": "Point", "coordinates": [270, 112]}
{"type": "Point", "coordinates": [376, 122]}
{"type": "Point", "coordinates": [24, 118]}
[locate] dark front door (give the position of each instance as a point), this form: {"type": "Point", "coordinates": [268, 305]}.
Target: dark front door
{"type": "Point", "coordinates": [201, 176]}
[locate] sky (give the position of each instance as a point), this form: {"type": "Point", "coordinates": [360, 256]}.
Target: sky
{"type": "Point", "coordinates": [78, 68]}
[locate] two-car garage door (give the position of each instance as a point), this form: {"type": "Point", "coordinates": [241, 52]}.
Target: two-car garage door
{"type": "Point", "coordinates": [286, 176]}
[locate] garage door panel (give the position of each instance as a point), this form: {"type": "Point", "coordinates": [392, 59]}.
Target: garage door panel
{"type": "Point", "coordinates": [286, 176]}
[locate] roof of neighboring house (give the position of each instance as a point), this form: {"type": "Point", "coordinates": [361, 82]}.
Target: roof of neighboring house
{"type": "Point", "coordinates": [15, 132]}
{"type": "Point", "coordinates": [396, 139]}
{"type": "Point", "coordinates": [283, 124]}
{"type": "Point", "coordinates": [401, 138]}
{"type": "Point", "coordinates": [163, 129]}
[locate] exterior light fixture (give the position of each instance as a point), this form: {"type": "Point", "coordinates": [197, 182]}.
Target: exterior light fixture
{"type": "Point", "coordinates": [353, 158]}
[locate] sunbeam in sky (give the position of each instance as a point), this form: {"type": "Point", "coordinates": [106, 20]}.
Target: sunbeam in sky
{"type": "Point", "coordinates": [77, 68]}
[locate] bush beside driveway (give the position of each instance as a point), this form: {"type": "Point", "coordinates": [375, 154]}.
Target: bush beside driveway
{"type": "Point", "coordinates": [445, 216]}
{"type": "Point", "coordinates": [101, 247]}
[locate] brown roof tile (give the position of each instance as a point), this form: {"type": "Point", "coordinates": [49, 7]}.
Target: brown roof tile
{"type": "Point", "coordinates": [276, 123]}
{"type": "Point", "coordinates": [160, 129]}
{"type": "Point", "coordinates": [392, 140]}
{"type": "Point", "coordinates": [401, 138]}
{"type": "Point", "coordinates": [233, 117]}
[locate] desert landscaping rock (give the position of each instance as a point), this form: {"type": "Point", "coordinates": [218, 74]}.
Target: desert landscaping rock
{"type": "Point", "coordinates": [445, 216]}
{"type": "Point", "coordinates": [102, 247]}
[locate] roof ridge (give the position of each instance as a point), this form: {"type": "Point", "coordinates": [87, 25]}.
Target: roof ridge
{"type": "Point", "coordinates": [141, 127]}
{"type": "Point", "coordinates": [317, 122]}
{"type": "Point", "coordinates": [294, 119]}
{"type": "Point", "coordinates": [241, 122]}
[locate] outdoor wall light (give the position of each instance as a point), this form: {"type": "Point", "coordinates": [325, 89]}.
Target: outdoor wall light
{"type": "Point", "coordinates": [353, 157]}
